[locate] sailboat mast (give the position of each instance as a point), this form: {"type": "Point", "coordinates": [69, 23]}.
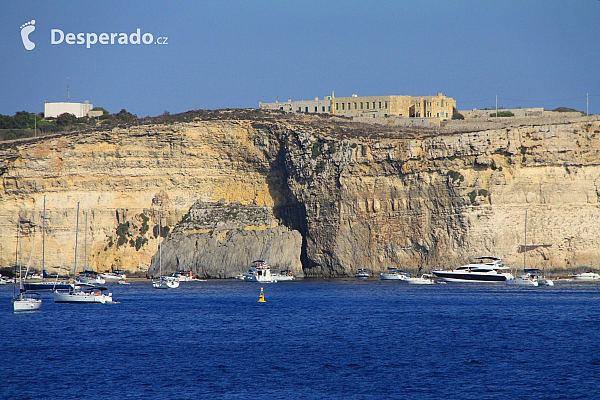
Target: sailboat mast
{"type": "Point", "coordinates": [17, 256]}
{"type": "Point", "coordinates": [76, 237]}
{"type": "Point", "coordinates": [159, 246]}
{"type": "Point", "coordinates": [85, 245]}
{"type": "Point", "coordinates": [525, 245]}
{"type": "Point", "coordinates": [44, 242]}
{"type": "Point", "coordinates": [269, 254]}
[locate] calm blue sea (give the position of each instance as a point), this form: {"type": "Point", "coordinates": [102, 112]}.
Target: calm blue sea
{"type": "Point", "coordinates": [312, 339]}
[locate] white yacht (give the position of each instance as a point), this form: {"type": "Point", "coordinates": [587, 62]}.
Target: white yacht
{"type": "Point", "coordinates": [483, 269]}
{"type": "Point", "coordinates": [526, 279]}
{"type": "Point", "coordinates": [586, 276]}
{"type": "Point", "coordinates": [114, 275]}
{"type": "Point", "coordinates": [393, 274]}
{"type": "Point", "coordinates": [166, 282]}
{"type": "Point", "coordinates": [362, 273]}
{"type": "Point", "coordinates": [86, 293]}
{"type": "Point", "coordinates": [90, 277]}
{"type": "Point", "coordinates": [183, 276]}
{"type": "Point", "coordinates": [425, 279]}
{"type": "Point", "coordinates": [260, 271]}
{"type": "Point", "coordinates": [27, 302]}
{"type": "Point", "coordinates": [283, 276]}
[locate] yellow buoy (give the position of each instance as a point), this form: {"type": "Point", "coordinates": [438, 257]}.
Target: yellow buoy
{"type": "Point", "coordinates": [261, 298]}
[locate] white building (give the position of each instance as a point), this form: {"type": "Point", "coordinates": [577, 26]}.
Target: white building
{"type": "Point", "coordinates": [78, 109]}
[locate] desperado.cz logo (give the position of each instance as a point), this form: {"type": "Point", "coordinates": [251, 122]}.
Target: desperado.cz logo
{"type": "Point", "coordinates": [57, 36]}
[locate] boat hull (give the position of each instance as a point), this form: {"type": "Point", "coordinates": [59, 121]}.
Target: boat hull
{"type": "Point", "coordinates": [166, 283]}
{"type": "Point", "coordinates": [521, 282]}
{"type": "Point", "coordinates": [82, 297]}
{"type": "Point", "coordinates": [26, 304]}
{"type": "Point", "coordinates": [392, 277]}
{"type": "Point", "coordinates": [47, 286]}
{"type": "Point", "coordinates": [476, 278]}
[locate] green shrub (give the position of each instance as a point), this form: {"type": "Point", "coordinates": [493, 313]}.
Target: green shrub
{"type": "Point", "coordinates": [503, 114]}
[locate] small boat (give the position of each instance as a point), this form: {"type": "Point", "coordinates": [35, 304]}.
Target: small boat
{"type": "Point", "coordinates": [527, 279]}
{"type": "Point", "coordinates": [123, 282]}
{"type": "Point", "coordinates": [166, 282]}
{"type": "Point", "coordinates": [3, 280]}
{"type": "Point", "coordinates": [183, 276]}
{"type": "Point", "coordinates": [84, 293]}
{"type": "Point", "coordinates": [394, 274]}
{"type": "Point", "coordinates": [483, 269]}
{"type": "Point", "coordinates": [586, 276]}
{"type": "Point", "coordinates": [260, 271]}
{"type": "Point", "coordinates": [362, 273]}
{"type": "Point", "coordinates": [114, 275]}
{"type": "Point", "coordinates": [284, 276]}
{"type": "Point", "coordinates": [425, 279]}
{"type": "Point", "coordinates": [90, 277]}
{"type": "Point", "coordinates": [163, 282]}
{"type": "Point", "coordinates": [24, 301]}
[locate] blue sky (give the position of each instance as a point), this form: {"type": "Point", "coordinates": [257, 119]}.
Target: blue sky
{"type": "Point", "coordinates": [237, 53]}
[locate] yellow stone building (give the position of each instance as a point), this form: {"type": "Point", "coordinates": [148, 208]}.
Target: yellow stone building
{"type": "Point", "coordinates": [438, 106]}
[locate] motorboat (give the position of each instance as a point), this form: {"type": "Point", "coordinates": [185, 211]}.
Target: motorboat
{"type": "Point", "coordinates": [542, 280]}
{"type": "Point", "coordinates": [393, 274]}
{"type": "Point", "coordinates": [123, 282]}
{"type": "Point", "coordinates": [425, 279]}
{"type": "Point", "coordinates": [92, 277]}
{"type": "Point", "coordinates": [260, 271]}
{"type": "Point", "coordinates": [84, 293]}
{"type": "Point", "coordinates": [183, 276]}
{"type": "Point", "coordinates": [3, 280]}
{"type": "Point", "coordinates": [166, 282]}
{"type": "Point", "coordinates": [114, 275]}
{"type": "Point", "coordinates": [362, 273]}
{"type": "Point", "coordinates": [283, 276]}
{"type": "Point", "coordinates": [482, 269]}
{"type": "Point", "coordinates": [526, 279]}
{"type": "Point", "coordinates": [585, 276]}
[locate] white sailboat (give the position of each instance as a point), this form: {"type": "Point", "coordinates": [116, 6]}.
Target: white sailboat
{"type": "Point", "coordinates": [164, 282]}
{"type": "Point", "coordinates": [83, 292]}
{"type": "Point", "coordinates": [24, 301]}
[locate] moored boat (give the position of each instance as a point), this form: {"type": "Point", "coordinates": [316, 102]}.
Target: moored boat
{"type": "Point", "coordinates": [260, 271]}
{"type": "Point", "coordinates": [483, 269]}
{"type": "Point", "coordinates": [362, 273]}
{"type": "Point", "coordinates": [114, 275]}
{"type": "Point", "coordinates": [85, 293]}
{"type": "Point", "coordinates": [166, 282]}
{"type": "Point", "coordinates": [283, 276]}
{"type": "Point", "coordinates": [586, 276]}
{"type": "Point", "coordinates": [524, 280]}
{"type": "Point", "coordinates": [425, 279]}
{"type": "Point", "coordinates": [393, 274]}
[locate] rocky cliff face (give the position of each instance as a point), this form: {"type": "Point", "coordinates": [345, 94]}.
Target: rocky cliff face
{"type": "Point", "coordinates": [332, 195]}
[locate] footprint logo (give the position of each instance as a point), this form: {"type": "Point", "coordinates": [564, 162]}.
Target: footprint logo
{"type": "Point", "coordinates": [26, 29]}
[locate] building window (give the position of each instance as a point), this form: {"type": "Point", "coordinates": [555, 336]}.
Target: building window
{"type": "Point", "coordinates": [386, 104]}
{"type": "Point", "coordinates": [343, 105]}
{"type": "Point", "coordinates": [367, 105]}
{"type": "Point", "coordinates": [316, 108]}
{"type": "Point", "coordinates": [323, 108]}
{"type": "Point", "coordinates": [299, 109]}
{"type": "Point", "coordinates": [281, 108]}
{"type": "Point", "coordinates": [379, 105]}
{"type": "Point", "coordinates": [361, 105]}
{"type": "Point", "coordinates": [337, 106]}
{"type": "Point", "coordinates": [306, 109]}
{"type": "Point", "coordinates": [349, 108]}
{"type": "Point", "coordinates": [329, 108]}
{"type": "Point", "coordinates": [442, 102]}
{"type": "Point", "coordinates": [355, 106]}
{"type": "Point", "coordinates": [373, 105]}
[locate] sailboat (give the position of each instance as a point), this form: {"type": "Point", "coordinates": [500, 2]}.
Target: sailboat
{"type": "Point", "coordinates": [24, 301]}
{"type": "Point", "coordinates": [45, 285]}
{"type": "Point", "coordinates": [163, 282]}
{"type": "Point", "coordinates": [88, 276]}
{"type": "Point", "coordinates": [530, 277]}
{"type": "Point", "coordinates": [82, 292]}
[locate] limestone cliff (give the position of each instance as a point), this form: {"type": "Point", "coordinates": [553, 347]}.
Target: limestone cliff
{"type": "Point", "coordinates": [336, 194]}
